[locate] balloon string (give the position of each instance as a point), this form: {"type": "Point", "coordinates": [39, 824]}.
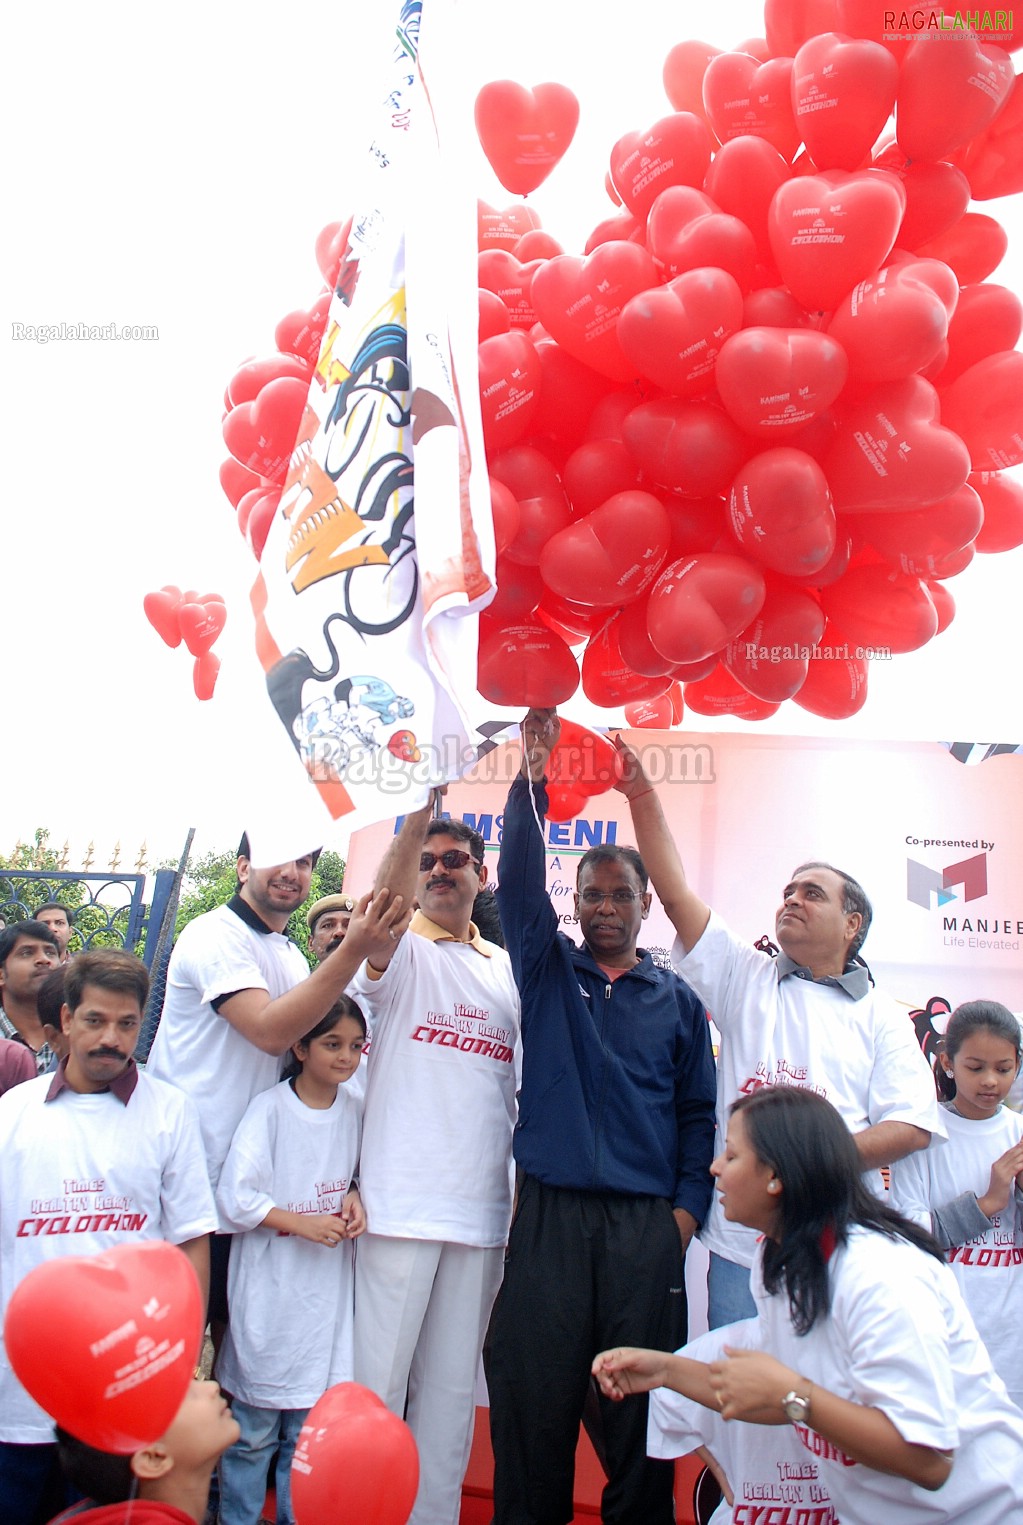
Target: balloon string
{"type": "Point", "coordinates": [536, 814]}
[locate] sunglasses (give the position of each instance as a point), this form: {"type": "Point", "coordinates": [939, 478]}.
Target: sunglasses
{"type": "Point", "coordinates": [452, 859]}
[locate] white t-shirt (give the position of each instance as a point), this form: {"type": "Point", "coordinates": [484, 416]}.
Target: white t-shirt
{"type": "Point", "coordinates": [773, 1479]}
{"type": "Point", "coordinates": [989, 1268]}
{"type": "Point", "coordinates": [899, 1338]}
{"type": "Point", "coordinates": [82, 1174]}
{"type": "Point", "coordinates": [440, 1092]}
{"type": "Point", "coordinates": [863, 1056]}
{"type": "Point", "coordinates": [196, 1049]}
{"type": "Point", "coordinates": [291, 1301]}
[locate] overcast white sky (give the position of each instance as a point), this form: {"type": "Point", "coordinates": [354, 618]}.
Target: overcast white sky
{"type": "Point", "coordinates": [173, 167]}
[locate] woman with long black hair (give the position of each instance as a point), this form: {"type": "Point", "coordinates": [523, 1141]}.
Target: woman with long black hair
{"type": "Point", "coordinates": [864, 1343]}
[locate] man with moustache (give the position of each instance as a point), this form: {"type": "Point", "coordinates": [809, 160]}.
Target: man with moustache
{"type": "Point", "coordinates": [239, 994]}
{"type": "Point", "coordinates": [436, 1152]}
{"type": "Point", "coordinates": [91, 1157]}
{"type": "Point", "coordinates": [328, 920]}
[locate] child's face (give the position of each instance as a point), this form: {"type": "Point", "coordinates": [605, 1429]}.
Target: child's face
{"type": "Point", "coordinates": [334, 1057]}
{"type": "Point", "coordinates": [202, 1429]}
{"type": "Point", "coordinates": [983, 1069]}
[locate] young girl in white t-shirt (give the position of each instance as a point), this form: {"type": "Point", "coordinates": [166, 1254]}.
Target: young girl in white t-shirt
{"type": "Point", "coordinates": [288, 1187]}
{"type": "Point", "coordinates": [970, 1190]}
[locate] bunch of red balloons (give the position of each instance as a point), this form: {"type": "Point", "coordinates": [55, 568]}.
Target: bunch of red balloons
{"type": "Point", "coordinates": [265, 402]}
{"type": "Point", "coordinates": [195, 619]}
{"type": "Point", "coordinates": [748, 435]}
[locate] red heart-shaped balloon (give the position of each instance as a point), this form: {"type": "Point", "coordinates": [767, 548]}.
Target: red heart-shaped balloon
{"type": "Point", "coordinates": [836, 682]}
{"type": "Point", "coordinates": [974, 247]}
{"type": "Point", "coordinates": [505, 511]}
{"type": "Point", "coordinates": [722, 694]}
{"type": "Point", "coordinates": [162, 613]}
{"type": "Point", "coordinates": [788, 23]}
{"type": "Point", "coordinates": [937, 195]}
{"type": "Point", "coordinates": [1002, 498]}
{"type": "Point", "coordinates": [775, 381]}
{"type": "Point", "coordinates": [509, 372]}
{"type": "Point", "coordinates": [743, 178]}
{"type": "Point", "coordinates": [261, 434]}
{"type": "Point", "coordinates": [331, 244]}
{"type": "Point", "coordinates": [565, 804]}
{"type": "Point", "coordinates": [993, 160]}
{"type": "Point", "coordinates": [781, 514]}
{"type": "Point", "coordinates": [507, 278]}
{"type": "Point", "coordinates": [250, 379]}
{"type": "Point", "coordinates": [611, 556]}
{"type": "Point", "coordinates": [300, 332]}
{"type": "Point", "coordinates": [607, 678]}
{"type": "Point", "coordinates": [569, 393]}
{"type": "Point", "coordinates": [771, 656]}
{"type": "Point", "coordinates": [686, 231]}
{"type": "Point", "coordinates": [682, 75]}
{"type": "Point", "coordinates": [237, 480]}
{"type": "Point", "coordinates": [691, 447]}
{"type": "Point", "coordinates": [578, 301]}
{"type": "Point", "coordinates": [830, 231]}
{"type": "Point", "coordinates": [985, 407]}
{"type": "Point", "coordinates": [255, 516]}
{"type": "Point", "coordinates": [350, 1420]}
{"type": "Point", "coordinates": [890, 452]}
{"type": "Point", "coordinates": [536, 487]}
{"type": "Point", "coordinates": [518, 586]}
{"type": "Point", "coordinates": [201, 624]}
{"type": "Point", "coordinates": [494, 315]}
{"type": "Point", "coordinates": [925, 534]}
{"type": "Point", "coordinates": [877, 607]}
{"type": "Point", "coordinates": [524, 665]}
{"type": "Point", "coordinates": [891, 324]}
{"type": "Point", "coordinates": [744, 96]}
{"type": "Point", "coordinates": [583, 760]}
{"type": "Point", "coordinates": [650, 714]}
{"type": "Point", "coordinates": [503, 229]}
{"type": "Point", "coordinates": [205, 670]}
{"type": "Point", "coordinates": [843, 90]}
{"type": "Point", "coordinates": [702, 602]}
{"type": "Point", "coordinates": [675, 151]}
{"type": "Point", "coordinates": [637, 649]}
{"type": "Point", "coordinates": [673, 333]}
{"type": "Point", "coordinates": [525, 133]}
{"type": "Point", "coordinates": [987, 319]}
{"type": "Point", "coordinates": [596, 471]}
{"type": "Point", "coordinates": [128, 1325]}
{"type": "Point", "coordinates": [949, 90]}
{"type": "Point", "coordinates": [536, 244]}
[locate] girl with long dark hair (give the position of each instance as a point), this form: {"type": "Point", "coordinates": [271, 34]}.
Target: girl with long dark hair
{"type": "Point", "coordinates": [864, 1343]}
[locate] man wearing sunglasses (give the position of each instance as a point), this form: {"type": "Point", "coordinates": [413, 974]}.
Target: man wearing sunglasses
{"type": "Point", "coordinates": [435, 1171]}
{"type": "Point", "coordinates": [613, 1148]}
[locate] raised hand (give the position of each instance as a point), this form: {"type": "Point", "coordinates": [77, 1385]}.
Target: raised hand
{"type": "Point", "coordinates": [540, 731]}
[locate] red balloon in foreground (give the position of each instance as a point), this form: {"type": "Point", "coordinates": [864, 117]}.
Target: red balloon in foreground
{"type": "Point", "coordinates": [355, 1463]}
{"type": "Point", "coordinates": [583, 760]}
{"type": "Point", "coordinates": [524, 133]}
{"type": "Point", "coordinates": [107, 1344]}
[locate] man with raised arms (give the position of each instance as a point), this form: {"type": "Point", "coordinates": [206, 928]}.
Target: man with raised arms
{"type": "Point", "coordinates": [811, 1017]}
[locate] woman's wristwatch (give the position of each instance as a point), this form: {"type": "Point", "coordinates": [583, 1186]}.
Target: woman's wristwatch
{"type": "Point", "coordinates": [797, 1406]}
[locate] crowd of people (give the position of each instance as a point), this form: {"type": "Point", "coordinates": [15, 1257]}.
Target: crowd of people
{"type": "Point", "coordinates": [445, 1141]}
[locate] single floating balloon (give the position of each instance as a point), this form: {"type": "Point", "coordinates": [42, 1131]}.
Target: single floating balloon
{"type": "Point", "coordinates": [525, 133]}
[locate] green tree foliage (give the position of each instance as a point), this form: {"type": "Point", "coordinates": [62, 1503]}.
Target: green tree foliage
{"type": "Point", "coordinates": [211, 880]}
{"type": "Point", "coordinates": [96, 926]}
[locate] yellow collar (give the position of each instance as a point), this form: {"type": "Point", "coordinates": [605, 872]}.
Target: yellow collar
{"type": "Point", "coordinates": [424, 927]}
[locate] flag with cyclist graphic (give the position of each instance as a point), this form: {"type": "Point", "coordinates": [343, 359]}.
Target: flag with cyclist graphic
{"type": "Point", "coordinates": [382, 550]}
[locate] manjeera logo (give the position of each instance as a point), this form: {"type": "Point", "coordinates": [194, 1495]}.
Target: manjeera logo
{"type": "Point", "coordinates": [967, 875]}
